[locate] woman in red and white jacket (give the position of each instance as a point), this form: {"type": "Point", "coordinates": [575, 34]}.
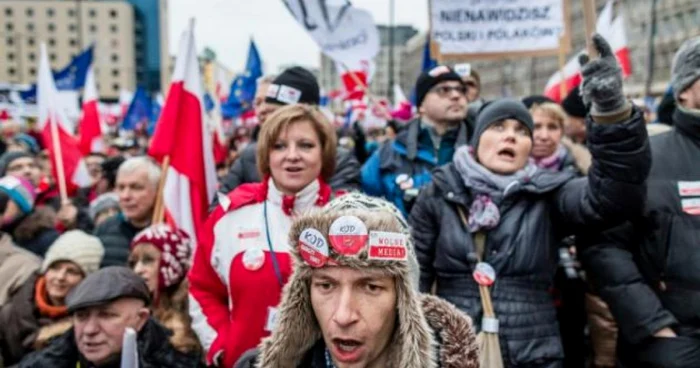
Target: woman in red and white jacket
{"type": "Point", "coordinates": [242, 260]}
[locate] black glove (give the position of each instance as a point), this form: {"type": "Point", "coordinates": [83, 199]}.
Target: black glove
{"type": "Point", "coordinates": [602, 80]}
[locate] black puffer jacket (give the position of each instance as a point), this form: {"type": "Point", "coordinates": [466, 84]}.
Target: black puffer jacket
{"type": "Point", "coordinates": [245, 170]}
{"type": "Point", "coordinates": [154, 351]}
{"type": "Point", "coordinates": [116, 234]}
{"type": "Point", "coordinates": [522, 249]}
{"type": "Point", "coordinates": [647, 270]}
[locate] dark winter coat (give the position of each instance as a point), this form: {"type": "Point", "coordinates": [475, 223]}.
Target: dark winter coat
{"type": "Point", "coordinates": [245, 170]}
{"type": "Point", "coordinates": [154, 350]}
{"type": "Point", "coordinates": [116, 234]}
{"type": "Point", "coordinates": [36, 231]}
{"type": "Point", "coordinates": [522, 249]}
{"type": "Point", "coordinates": [412, 153]}
{"type": "Point", "coordinates": [21, 324]}
{"type": "Point", "coordinates": [647, 269]}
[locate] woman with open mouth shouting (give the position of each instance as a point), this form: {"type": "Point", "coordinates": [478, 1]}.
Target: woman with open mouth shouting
{"type": "Point", "coordinates": [488, 227]}
{"type": "Point", "coordinates": [242, 260]}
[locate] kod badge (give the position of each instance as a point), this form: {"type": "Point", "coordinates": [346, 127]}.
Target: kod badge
{"type": "Point", "coordinates": [253, 259]}
{"type": "Point", "coordinates": [313, 248]}
{"type": "Point", "coordinates": [348, 235]}
{"type": "Point", "coordinates": [484, 274]}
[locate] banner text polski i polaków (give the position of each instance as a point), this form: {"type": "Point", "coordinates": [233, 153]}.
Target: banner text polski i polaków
{"type": "Point", "coordinates": [476, 27]}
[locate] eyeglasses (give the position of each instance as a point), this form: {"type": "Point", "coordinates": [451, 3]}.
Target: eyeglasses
{"type": "Point", "coordinates": [444, 91]}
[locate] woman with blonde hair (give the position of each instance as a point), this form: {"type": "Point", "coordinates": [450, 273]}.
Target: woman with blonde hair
{"type": "Point", "coordinates": [242, 260]}
{"type": "Point", "coordinates": [161, 255]}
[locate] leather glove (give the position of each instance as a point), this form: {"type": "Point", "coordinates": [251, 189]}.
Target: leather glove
{"type": "Point", "coordinates": [602, 80]}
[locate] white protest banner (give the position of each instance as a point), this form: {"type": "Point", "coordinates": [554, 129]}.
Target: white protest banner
{"type": "Point", "coordinates": [498, 28]}
{"type": "Point", "coordinates": [343, 32]}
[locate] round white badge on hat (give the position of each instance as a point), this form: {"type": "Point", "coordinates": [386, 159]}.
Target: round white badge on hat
{"type": "Point", "coordinates": [348, 235]}
{"type": "Point", "coordinates": [484, 274]}
{"type": "Point", "coordinates": [253, 259]}
{"type": "Point", "coordinates": [313, 248]}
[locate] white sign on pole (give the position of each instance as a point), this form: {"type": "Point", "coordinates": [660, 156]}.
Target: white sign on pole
{"type": "Point", "coordinates": [491, 27]}
{"type": "Point", "coordinates": [343, 32]}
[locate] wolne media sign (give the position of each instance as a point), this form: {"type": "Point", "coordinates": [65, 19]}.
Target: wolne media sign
{"type": "Point", "coordinates": [492, 27]}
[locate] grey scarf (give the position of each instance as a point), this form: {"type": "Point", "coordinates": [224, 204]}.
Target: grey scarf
{"type": "Point", "coordinates": [489, 188]}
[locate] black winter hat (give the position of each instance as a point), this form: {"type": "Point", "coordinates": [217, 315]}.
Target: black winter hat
{"type": "Point", "coordinates": [495, 111]}
{"type": "Point", "coordinates": [573, 104]}
{"type": "Point", "coordinates": [294, 85]}
{"type": "Point", "coordinates": [110, 167]}
{"type": "Point", "coordinates": [536, 99]}
{"type": "Point", "coordinates": [7, 158]}
{"type": "Point", "coordinates": [431, 78]}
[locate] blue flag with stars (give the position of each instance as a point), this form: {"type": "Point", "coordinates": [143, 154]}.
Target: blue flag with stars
{"type": "Point", "coordinates": [72, 77]}
{"type": "Point", "coordinates": [140, 111]}
{"type": "Point", "coordinates": [244, 85]}
{"type": "Point", "coordinates": [427, 64]}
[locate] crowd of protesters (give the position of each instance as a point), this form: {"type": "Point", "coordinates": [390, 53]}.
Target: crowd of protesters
{"type": "Point", "coordinates": [481, 233]}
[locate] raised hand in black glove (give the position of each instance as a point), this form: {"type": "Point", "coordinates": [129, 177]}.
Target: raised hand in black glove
{"type": "Point", "coordinates": [602, 80]}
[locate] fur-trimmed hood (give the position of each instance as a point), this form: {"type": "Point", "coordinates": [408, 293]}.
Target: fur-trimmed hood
{"type": "Point", "coordinates": [422, 320]}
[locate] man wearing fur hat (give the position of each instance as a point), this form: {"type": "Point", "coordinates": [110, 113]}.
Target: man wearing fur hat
{"type": "Point", "coordinates": [647, 269]}
{"type": "Point", "coordinates": [352, 300]}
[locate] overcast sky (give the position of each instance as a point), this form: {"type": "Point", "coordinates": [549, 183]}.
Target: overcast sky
{"type": "Point", "coordinates": [227, 25]}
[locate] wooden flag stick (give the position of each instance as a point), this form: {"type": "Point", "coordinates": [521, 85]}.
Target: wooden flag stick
{"type": "Point", "coordinates": [589, 15]}
{"type": "Point", "coordinates": [60, 172]}
{"type": "Point", "coordinates": [159, 207]}
{"type": "Point", "coordinates": [562, 64]}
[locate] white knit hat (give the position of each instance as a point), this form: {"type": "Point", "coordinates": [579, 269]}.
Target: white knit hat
{"type": "Point", "coordinates": [76, 246]}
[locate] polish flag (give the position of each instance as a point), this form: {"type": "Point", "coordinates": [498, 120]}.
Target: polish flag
{"type": "Point", "coordinates": [90, 127]}
{"type": "Point", "coordinates": [182, 135]}
{"type": "Point", "coordinates": [356, 78]}
{"type": "Point", "coordinates": [125, 97]}
{"type": "Point", "coordinates": [56, 132]}
{"type": "Point", "coordinates": [614, 32]}
{"type": "Point", "coordinates": [403, 110]}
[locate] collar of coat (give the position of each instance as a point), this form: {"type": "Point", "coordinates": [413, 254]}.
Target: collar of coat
{"type": "Point", "coordinates": [687, 121]}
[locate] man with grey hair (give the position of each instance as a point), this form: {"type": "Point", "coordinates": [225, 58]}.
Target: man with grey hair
{"type": "Point", "coordinates": [646, 270]}
{"type": "Point", "coordinates": [136, 186]}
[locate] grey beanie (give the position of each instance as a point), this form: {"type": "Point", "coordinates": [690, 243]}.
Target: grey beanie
{"type": "Point", "coordinates": [102, 203]}
{"type": "Point", "coordinates": [495, 111]}
{"type": "Point", "coordinates": [7, 158]}
{"type": "Point", "coordinates": [686, 66]}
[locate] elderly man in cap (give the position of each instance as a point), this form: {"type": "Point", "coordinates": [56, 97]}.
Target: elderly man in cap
{"type": "Point", "coordinates": [102, 307]}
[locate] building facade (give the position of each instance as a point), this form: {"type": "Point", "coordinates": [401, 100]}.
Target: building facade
{"type": "Point", "coordinates": [128, 50]}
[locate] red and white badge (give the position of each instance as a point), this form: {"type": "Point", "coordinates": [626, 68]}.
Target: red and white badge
{"type": "Point", "coordinates": [348, 235]}
{"type": "Point", "coordinates": [253, 259]}
{"type": "Point", "coordinates": [387, 246]}
{"type": "Point", "coordinates": [313, 248]}
{"type": "Point", "coordinates": [484, 274]}
{"type": "Point", "coordinates": [689, 188]}
{"type": "Point", "coordinates": [691, 206]}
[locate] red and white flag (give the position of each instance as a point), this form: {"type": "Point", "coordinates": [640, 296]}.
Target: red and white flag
{"type": "Point", "coordinates": [613, 30]}
{"type": "Point", "coordinates": [90, 127]}
{"type": "Point", "coordinates": [56, 131]}
{"type": "Point", "coordinates": [183, 135]}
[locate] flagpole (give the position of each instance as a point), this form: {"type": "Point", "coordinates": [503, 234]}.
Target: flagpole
{"type": "Point", "coordinates": [159, 207]}
{"type": "Point", "coordinates": [589, 15]}
{"type": "Point", "coordinates": [562, 63]}
{"type": "Point", "coordinates": [59, 158]}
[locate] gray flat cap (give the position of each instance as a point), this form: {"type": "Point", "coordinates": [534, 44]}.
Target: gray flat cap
{"type": "Point", "coordinates": [106, 285]}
